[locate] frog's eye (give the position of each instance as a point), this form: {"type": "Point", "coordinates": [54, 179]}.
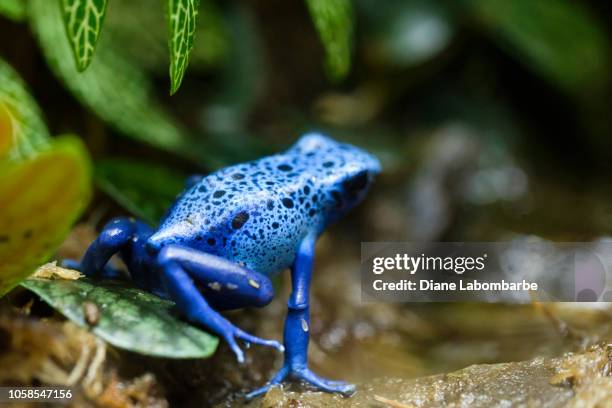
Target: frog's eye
{"type": "Point", "coordinates": [356, 183]}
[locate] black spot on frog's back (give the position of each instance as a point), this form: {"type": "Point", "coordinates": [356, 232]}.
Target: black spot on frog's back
{"type": "Point", "coordinates": [240, 219]}
{"type": "Point", "coordinates": [287, 202]}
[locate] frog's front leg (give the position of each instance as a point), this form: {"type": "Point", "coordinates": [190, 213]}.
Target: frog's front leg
{"type": "Point", "coordinates": [238, 286]}
{"type": "Point", "coordinates": [115, 236]}
{"type": "Point", "coordinates": [297, 329]}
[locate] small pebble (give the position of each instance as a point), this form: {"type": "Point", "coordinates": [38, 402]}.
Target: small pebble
{"type": "Point", "coordinates": [91, 312]}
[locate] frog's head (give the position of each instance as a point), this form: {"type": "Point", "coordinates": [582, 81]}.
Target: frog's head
{"type": "Point", "coordinates": [345, 171]}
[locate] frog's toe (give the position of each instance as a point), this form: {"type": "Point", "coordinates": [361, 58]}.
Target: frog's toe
{"type": "Point", "coordinates": [256, 340]}
{"type": "Point", "coordinates": [259, 391]}
{"type": "Point", "coordinates": [71, 264]}
{"type": "Point", "coordinates": [323, 384]}
{"type": "Point", "coordinates": [233, 345]}
{"type": "Point", "coordinates": [308, 377]}
{"type": "Point", "coordinates": [277, 379]}
{"type": "Point", "coordinates": [336, 383]}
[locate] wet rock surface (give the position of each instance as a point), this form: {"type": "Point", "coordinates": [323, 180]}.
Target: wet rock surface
{"type": "Point", "coordinates": [574, 380]}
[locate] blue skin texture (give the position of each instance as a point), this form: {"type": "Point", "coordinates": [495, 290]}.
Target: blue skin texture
{"type": "Point", "coordinates": [228, 232]}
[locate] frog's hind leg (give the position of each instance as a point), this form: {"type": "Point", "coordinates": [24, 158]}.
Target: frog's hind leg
{"type": "Point", "coordinates": [297, 329]}
{"type": "Point", "coordinates": [181, 268]}
{"type": "Point", "coordinates": [225, 284]}
{"type": "Point", "coordinates": [115, 236]}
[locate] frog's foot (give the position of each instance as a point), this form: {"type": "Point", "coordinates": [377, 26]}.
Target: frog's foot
{"type": "Point", "coordinates": [307, 376]}
{"type": "Point", "coordinates": [231, 333]}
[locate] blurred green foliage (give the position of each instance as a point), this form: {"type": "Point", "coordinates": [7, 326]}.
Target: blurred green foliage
{"type": "Point", "coordinates": [146, 190]}
{"type": "Point", "coordinates": [334, 22]}
{"type": "Point", "coordinates": [559, 39]}
{"type": "Point", "coordinates": [405, 33]}
{"type": "Point", "coordinates": [13, 9]}
{"type": "Point", "coordinates": [45, 183]}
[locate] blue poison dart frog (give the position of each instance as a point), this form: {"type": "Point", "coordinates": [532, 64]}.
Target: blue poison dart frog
{"type": "Point", "coordinates": [228, 232]}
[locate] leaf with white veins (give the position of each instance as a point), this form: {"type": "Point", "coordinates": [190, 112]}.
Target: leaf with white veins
{"type": "Point", "coordinates": [182, 22]}
{"type": "Point", "coordinates": [83, 20]}
{"type": "Point", "coordinates": [116, 88]}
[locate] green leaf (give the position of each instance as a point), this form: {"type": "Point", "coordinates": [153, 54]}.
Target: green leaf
{"type": "Point", "coordinates": [333, 20]}
{"type": "Point", "coordinates": [142, 33]}
{"type": "Point", "coordinates": [83, 20]}
{"type": "Point", "coordinates": [146, 190]}
{"type": "Point", "coordinates": [182, 23]}
{"type": "Point", "coordinates": [22, 130]}
{"type": "Point", "coordinates": [13, 9]}
{"type": "Point", "coordinates": [129, 318]}
{"type": "Point", "coordinates": [118, 90]}
{"type": "Point", "coordinates": [558, 38]}
{"type": "Point", "coordinates": [45, 183]}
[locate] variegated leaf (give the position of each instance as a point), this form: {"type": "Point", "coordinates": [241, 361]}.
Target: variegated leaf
{"type": "Point", "coordinates": [182, 22]}
{"type": "Point", "coordinates": [128, 318]}
{"type": "Point", "coordinates": [114, 87]}
{"type": "Point", "coordinates": [83, 20]}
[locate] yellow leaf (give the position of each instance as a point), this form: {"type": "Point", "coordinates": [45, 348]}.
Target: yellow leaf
{"type": "Point", "coordinates": [40, 198]}
{"type": "Point", "coordinates": [6, 130]}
